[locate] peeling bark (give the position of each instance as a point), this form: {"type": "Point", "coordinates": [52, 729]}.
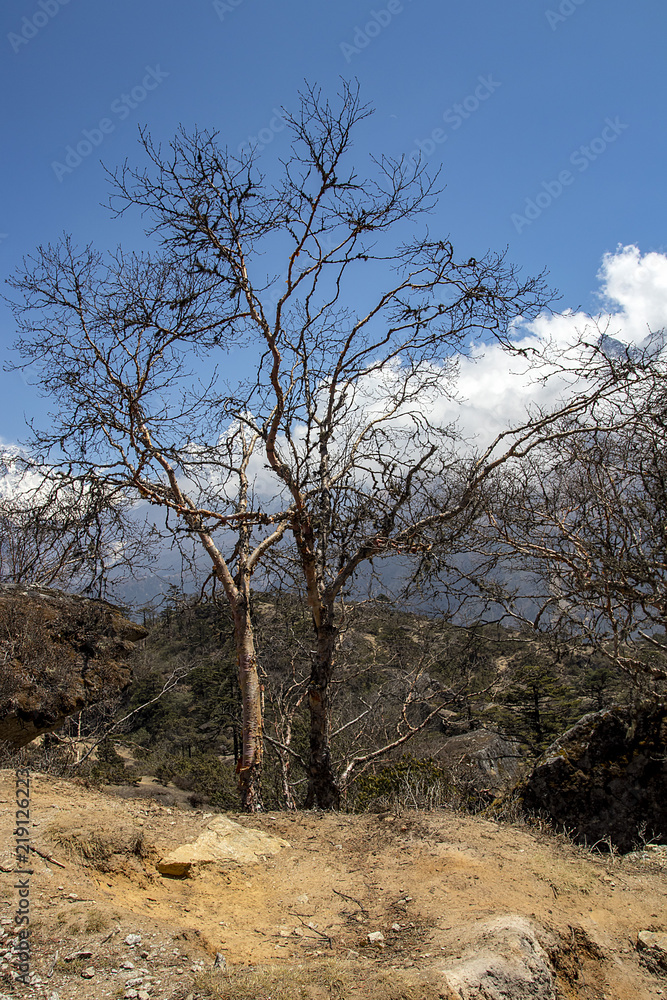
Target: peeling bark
{"type": "Point", "coordinates": [249, 767]}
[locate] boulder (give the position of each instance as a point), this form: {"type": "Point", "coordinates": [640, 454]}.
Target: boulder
{"type": "Point", "coordinates": [604, 780]}
{"type": "Point", "coordinates": [503, 959]}
{"type": "Point", "coordinates": [60, 653]}
{"type": "Point", "coordinates": [652, 948]}
{"type": "Point", "coordinates": [482, 761]}
{"type": "Point", "coordinates": [224, 842]}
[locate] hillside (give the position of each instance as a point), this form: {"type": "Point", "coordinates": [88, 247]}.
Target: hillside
{"type": "Point", "coordinates": [441, 888]}
{"type": "Point", "coordinates": [394, 669]}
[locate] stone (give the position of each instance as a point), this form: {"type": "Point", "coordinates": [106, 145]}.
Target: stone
{"type": "Point", "coordinates": [503, 959]}
{"type": "Point", "coordinates": [482, 762]}
{"type": "Point", "coordinates": [61, 653]}
{"type": "Point", "coordinates": [220, 961]}
{"type": "Point", "coordinates": [376, 937]}
{"type": "Point", "coordinates": [605, 778]}
{"type": "Point", "coordinates": [132, 940]}
{"type": "Point", "coordinates": [224, 842]}
{"type": "Point", "coordinates": [652, 948]}
{"type": "Point", "coordinates": [88, 973]}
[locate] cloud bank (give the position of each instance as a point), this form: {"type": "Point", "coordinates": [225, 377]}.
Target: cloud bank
{"type": "Point", "coordinates": [497, 388]}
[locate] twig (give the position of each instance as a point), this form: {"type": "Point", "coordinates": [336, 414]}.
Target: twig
{"type": "Point", "coordinates": [47, 857]}
{"type": "Point", "coordinates": [321, 933]}
{"type": "Point", "coordinates": [353, 900]}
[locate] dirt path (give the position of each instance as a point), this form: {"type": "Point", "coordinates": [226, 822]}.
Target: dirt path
{"type": "Point", "coordinates": [424, 881]}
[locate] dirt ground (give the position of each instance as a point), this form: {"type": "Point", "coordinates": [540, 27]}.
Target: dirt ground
{"type": "Point", "coordinates": [298, 923]}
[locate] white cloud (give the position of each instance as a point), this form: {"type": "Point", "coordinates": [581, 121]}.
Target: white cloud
{"type": "Point", "coordinates": [639, 286]}
{"type": "Point", "coordinates": [497, 387]}
{"type": "Point", "coordinates": [15, 481]}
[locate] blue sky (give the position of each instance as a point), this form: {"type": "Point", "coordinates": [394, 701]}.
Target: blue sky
{"type": "Point", "coordinates": [554, 104]}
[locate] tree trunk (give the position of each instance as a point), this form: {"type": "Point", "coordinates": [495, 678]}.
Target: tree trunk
{"type": "Point", "coordinates": [249, 766]}
{"type": "Point", "coordinates": [323, 790]}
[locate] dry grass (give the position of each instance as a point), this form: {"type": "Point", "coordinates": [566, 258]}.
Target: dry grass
{"type": "Point", "coordinates": [322, 980]}
{"type": "Point", "coordinates": [89, 842]}
{"type": "Point", "coordinates": [96, 921]}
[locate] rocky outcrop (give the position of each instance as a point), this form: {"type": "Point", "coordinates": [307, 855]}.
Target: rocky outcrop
{"type": "Point", "coordinates": [504, 959]}
{"type": "Point", "coordinates": [652, 948]}
{"type": "Point", "coordinates": [605, 779]}
{"type": "Point", "coordinates": [482, 761]}
{"type": "Point", "coordinates": [59, 653]}
{"type": "Point", "coordinates": [223, 842]}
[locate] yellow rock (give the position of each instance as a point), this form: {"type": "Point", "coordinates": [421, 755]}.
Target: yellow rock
{"type": "Point", "coordinates": [223, 841]}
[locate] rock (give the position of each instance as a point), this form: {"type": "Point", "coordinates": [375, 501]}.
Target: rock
{"type": "Point", "coordinates": [482, 762]}
{"type": "Point", "coordinates": [503, 960]}
{"type": "Point", "coordinates": [61, 653]}
{"type": "Point", "coordinates": [82, 955]}
{"type": "Point", "coordinates": [376, 937]}
{"type": "Point", "coordinates": [132, 940]}
{"type": "Point", "coordinates": [220, 961]}
{"type": "Point", "coordinates": [652, 948]}
{"type": "Point", "coordinates": [223, 841]}
{"type": "Point", "coordinates": [88, 973]}
{"type": "Point", "coordinates": [605, 778]}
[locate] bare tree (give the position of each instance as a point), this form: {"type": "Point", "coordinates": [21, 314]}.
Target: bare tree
{"type": "Point", "coordinates": [572, 541]}
{"type": "Point", "coordinates": [54, 532]}
{"type": "Point", "coordinates": [112, 339]}
{"type": "Point", "coordinates": [353, 323]}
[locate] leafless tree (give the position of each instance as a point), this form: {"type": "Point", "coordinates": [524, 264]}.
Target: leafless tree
{"type": "Point", "coordinates": [352, 323]}
{"type": "Point", "coordinates": [112, 338]}
{"type": "Point", "coordinates": [54, 532]}
{"type": "Point", "coordinates": [573, 541]}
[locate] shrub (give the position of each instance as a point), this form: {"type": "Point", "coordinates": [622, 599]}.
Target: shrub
{"type": "Point", "coordinates": [408, 783]}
